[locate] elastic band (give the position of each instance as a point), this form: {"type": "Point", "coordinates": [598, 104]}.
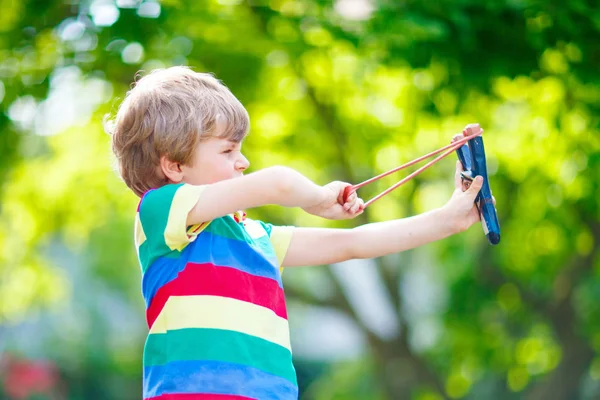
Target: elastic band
{"type": "Point", "coordinates": [450, 149]}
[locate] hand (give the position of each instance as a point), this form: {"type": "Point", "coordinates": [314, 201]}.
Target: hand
{"type": "Point", "coordinates": [457, 137]}
{"type": "Point", "coordinates": [331, 207]}
{"type": "Point", "coordinates": [460, 210]}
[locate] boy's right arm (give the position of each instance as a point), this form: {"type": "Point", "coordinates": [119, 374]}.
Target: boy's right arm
{"type": "Point", "coordinates": [275, 185]}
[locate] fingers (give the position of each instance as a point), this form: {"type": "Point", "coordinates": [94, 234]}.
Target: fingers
{"type": "Point", "coordinates": [475, 187]}
{"type": "Point", "coordinates": [347, 193]}
{"type": "Point", "coordinates": [358, 207]}
{"type": "Point", "coordinates": [354, 206]}
{"type": "Point", "coordinates": [350, 202]}
{"type": "Point", "coordinates": [457, 137]}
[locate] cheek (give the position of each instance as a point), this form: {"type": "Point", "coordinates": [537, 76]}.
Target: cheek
{"type": "Point", "coordinates": [220, 169]}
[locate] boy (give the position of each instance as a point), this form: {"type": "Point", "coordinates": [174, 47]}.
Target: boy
{"type": "Point", "coordinates": [211, 277]}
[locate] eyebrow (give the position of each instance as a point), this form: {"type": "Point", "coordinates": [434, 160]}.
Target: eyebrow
{"type": "Point", "coordinates": [229, 144]}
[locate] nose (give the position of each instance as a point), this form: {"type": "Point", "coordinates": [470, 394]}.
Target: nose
{"type": "Point", "coordinates": [242, 163]}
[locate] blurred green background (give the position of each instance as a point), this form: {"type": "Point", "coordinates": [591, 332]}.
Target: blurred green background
{"type": "Point", "coordinates": [339, 90]}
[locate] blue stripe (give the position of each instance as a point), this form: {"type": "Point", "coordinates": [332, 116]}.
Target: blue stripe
{"type": "Point", "coordinates": [209, 248]}
{"type": "Point", "coordinates": [213, 377]}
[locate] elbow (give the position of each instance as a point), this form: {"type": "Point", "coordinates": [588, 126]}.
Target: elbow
{"type": "Point", "coordinates": [281, 177]}
{"type": "Point", "coordinates": [282, 183]}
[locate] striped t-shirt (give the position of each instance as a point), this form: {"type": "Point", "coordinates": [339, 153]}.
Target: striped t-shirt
{"type": "Point", "coordinates": [215, 305]}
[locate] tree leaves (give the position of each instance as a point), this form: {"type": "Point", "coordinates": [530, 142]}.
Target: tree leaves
{"type": "Point", "coordinates": [337, 96]}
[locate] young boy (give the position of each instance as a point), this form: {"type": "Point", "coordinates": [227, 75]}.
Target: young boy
{"type": "Point", "coordinates": [211, 277]}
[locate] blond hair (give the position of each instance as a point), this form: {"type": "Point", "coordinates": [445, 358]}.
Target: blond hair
{"type": "Point", "coordinates": [167, 113]}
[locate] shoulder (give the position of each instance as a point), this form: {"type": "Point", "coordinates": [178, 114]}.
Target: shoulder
{"type": "Point", "coordinates": [162, 196]}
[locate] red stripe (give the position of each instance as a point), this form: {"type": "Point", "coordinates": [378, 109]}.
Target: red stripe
{"type": "Point", "coordinates": [188, 396]}
{"type": "Point", "coordinates": [196, 229]}
{"type": "Point", "coordinates": [209, 279]}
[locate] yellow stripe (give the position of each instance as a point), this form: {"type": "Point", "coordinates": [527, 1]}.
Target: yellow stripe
{"type": "Point", "coordinates": [216, 312]}
{"type": "Point", "coordinates": [140, 236]}
{"type": "Point", "coordinates": [176, 234]}
{"type": "Point", "coordinates": [281, 236]}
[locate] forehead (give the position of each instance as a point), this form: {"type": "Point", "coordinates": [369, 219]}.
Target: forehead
{"type": "Point", "coordinates": [230, 127]}
{"type": "Point", "coordinates": [219, 142]}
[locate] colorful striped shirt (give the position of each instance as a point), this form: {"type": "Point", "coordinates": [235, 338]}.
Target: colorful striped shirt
{"type": "Point", "coordinates": [215, 305]}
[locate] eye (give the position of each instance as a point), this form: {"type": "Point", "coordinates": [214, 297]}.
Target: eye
{"type": "Point", "coordinates": [227, 151]}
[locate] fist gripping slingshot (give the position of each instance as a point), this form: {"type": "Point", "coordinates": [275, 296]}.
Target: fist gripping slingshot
{"type": "Point", "coordinates": [471, 153]}
{"type": "Point", "coordinates": [472, 157]}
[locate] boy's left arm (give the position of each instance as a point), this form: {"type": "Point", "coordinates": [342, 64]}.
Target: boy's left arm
{"type": "Point", "coordinates": [318, 246]}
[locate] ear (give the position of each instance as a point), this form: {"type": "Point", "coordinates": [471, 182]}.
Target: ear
{"type": "Point", "coordinates": [171, 169]}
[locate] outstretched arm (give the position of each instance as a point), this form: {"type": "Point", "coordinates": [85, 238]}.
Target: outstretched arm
{"type": "Point", "coordinates": [275, 185]}
{"type": "Point", "coordinates": [317, 246]}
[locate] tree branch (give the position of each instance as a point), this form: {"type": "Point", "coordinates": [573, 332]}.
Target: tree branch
{"type": "Point", "coordinates": [564, 381]}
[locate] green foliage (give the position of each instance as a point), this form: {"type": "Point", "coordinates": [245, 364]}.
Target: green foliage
{"type": "Point", "coordinates": [336, 98]}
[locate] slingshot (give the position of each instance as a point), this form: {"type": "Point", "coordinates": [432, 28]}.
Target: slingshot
{"type": "Point", "coordinates": [471, 153]}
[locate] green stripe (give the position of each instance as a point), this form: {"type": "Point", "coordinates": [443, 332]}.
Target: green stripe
{"type": "Point", "coordinates": [154, 215]}
{"type": "Point", "coordinates": [228, 228]}
{"type": "Point", "coordinates": [144, 255]}
{"type": "Point", "coordinates": [266, 248]}
{"type": "Point", "coordinates": [219, 345]}
{"type": "Point", "coordinates": [267, 227]}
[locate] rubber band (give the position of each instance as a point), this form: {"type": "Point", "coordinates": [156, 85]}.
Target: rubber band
{"type": "Point", "coordinates": [452, 147]}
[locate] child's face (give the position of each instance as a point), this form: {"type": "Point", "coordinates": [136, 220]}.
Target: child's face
{"type": "Point", "coordinates": [215, 160]}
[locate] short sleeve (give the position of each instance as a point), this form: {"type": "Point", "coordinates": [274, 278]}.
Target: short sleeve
{"type": "Point", "coordinates": [162, 216]}
{"type": "Point", "coordinates": [280, 237]}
